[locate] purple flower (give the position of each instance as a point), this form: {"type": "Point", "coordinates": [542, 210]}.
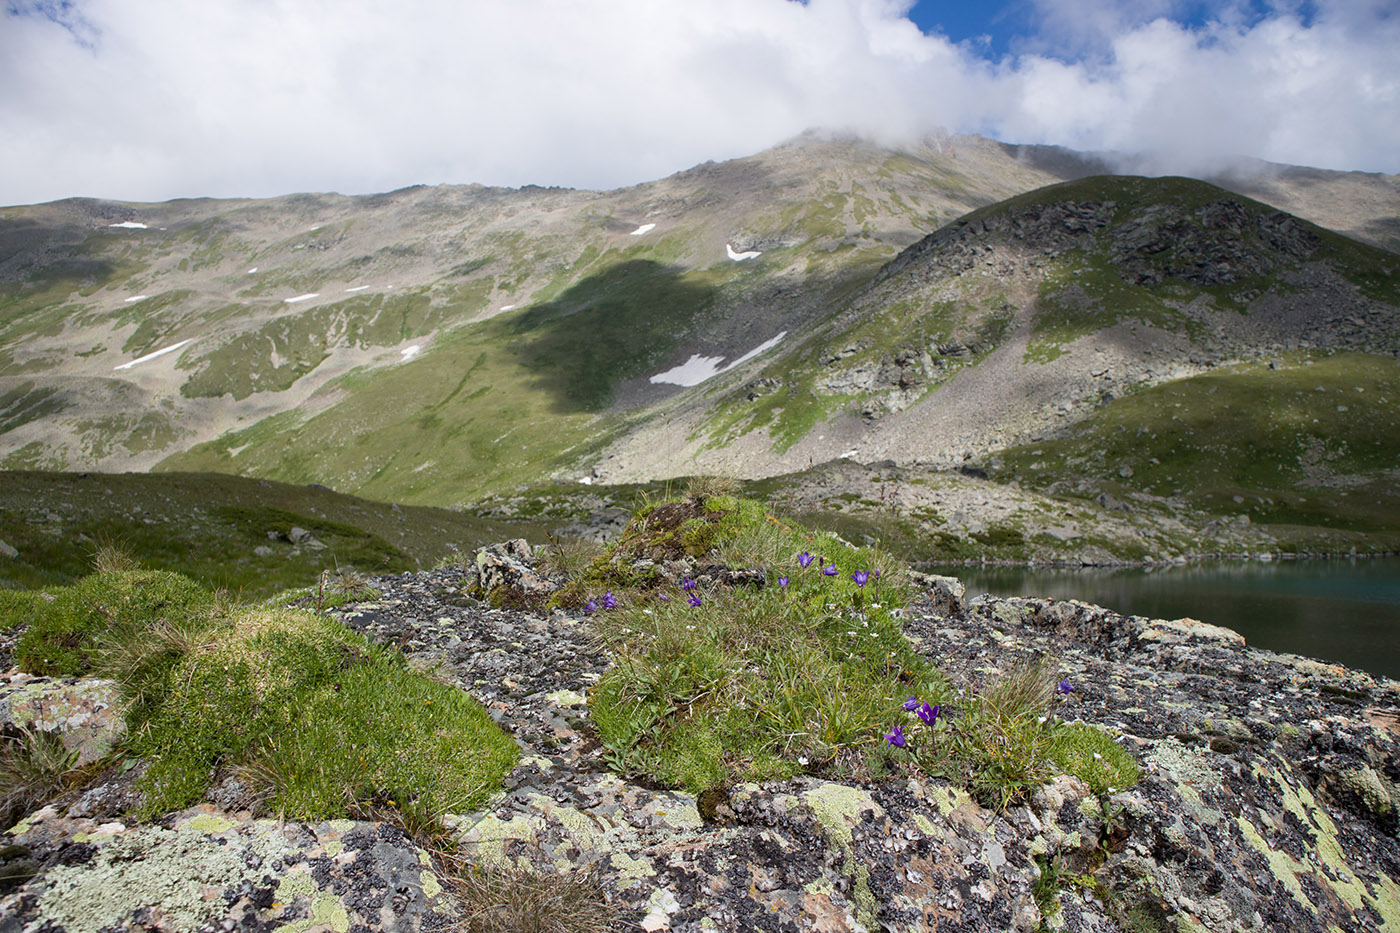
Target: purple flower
{"type": "Point", "coordinates": [877, 573]}
{"type": "Point", "coordinates": [928, 714]}
{"type": "Point", "coordinates": [911, 704]}
{"type": "Point", "coordinates": [896, 737]}
{"type": "Point", "coordinates": [804, 559]}
{"type": "Point", "coordinates": [830, 570]}
{"type": "Point", "coordinates": [590, 606]}
{"type": "Point", "coordinates": [694, 599]}
{"type": "Point", "coordinates": [861, 577]}
{"type": "Point", "coordinates": [609, 600]}
{"type": "Point", "coordinates": [663, 597]}
{"type": "Point", "coordinates": [688, 584]}
{"type": "Point", "coordinates": [782, 581]}
{"type": "Point", "coordinates": [1065, 686]}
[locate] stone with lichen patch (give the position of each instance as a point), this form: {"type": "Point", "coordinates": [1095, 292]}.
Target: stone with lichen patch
{"type": "Point", "coordinates": [86, 714]}
{"type": "Point", "coordinates": [207, 867]}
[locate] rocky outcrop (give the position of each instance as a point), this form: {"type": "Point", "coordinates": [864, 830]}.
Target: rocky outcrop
{"type": "Point", "coordinates": [1267, 801]}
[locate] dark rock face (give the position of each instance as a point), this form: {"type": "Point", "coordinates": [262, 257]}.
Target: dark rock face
{"type": "Point", "coordinates": [1268, 800]}
{"type": "Point", "coordinates": [1221, 243]}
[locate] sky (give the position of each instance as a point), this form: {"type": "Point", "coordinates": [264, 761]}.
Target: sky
{"type": "Point", "coordinates": [147, 100]}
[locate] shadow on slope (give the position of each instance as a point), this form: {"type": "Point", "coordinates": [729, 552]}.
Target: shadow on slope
{"type": "Point", "coordinates": [617, 325]}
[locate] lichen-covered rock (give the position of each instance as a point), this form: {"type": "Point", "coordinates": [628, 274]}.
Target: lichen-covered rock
{"type": "Point", "coordinates": [505, 575]}
{"type": "Point", "coordinates": [86, 714]}
{"type": "Point", "coordinates": [210, 870]}
{"type": "Point", "coordinates": [1267, 801]}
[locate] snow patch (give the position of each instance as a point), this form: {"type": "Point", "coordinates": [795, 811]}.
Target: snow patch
{"type": "Point", "coordinates": [740, 257]}
{"type": "Point", "coordinates": [252, 270]}
{"type": "Point", "coordinates": [699, 368]}
{"type": "Point", "coordinates": [409, 353]}
{"type": "Point", "coordinates": [644, 228]}
{"type": "Point", "coordinates": [509, 307]}
{"type": "Point", "coordinates": [357, 288]}
{"type": "Point", "coordinates": [292, 301]}
{"type": "Point", "coordinates": [586, 480]}
{"type": "Point", "coordinates": [136, 298]}
{"type": "Point", "coordinates": [150, 356]}
{"type": "Point", "coordinates": [130, 225]}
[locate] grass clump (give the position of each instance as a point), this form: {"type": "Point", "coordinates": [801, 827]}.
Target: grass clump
{"type": "Point", "coordinates": [1004, 740]}
{"type": "Point", "coordinates": [754, 682]}
{"type": "Point", "coordinates": [1090, 754]}
{"type": "Point", "coordinates": [70, 626]}
{"type": "Point", "coordinates": [34, 767]}
{"type": "Point", "coordinates": [802, 666]}
{"type": "Point", "coordinates": [324, 721]}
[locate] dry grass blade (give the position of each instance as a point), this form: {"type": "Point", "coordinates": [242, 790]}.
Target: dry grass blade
{"type": "Point", "coordinates": [34, 767]}
{"type": "Point", "coordinates": [500, 899]}
{"type": "Point", "coordinates": [112, 558]}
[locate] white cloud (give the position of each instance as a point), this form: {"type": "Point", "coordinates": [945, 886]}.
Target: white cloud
{"type": "Point", "coordinates": [152, 99]}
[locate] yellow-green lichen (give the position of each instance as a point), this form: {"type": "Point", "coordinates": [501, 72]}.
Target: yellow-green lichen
{"type": "Point", "coordinates": [209, 823]}
{"type": "Point", "coordinates": [839, 810]}
{"type": "Point", "coordinates": [295, 883]}
{"type": "Point", "coordinates": [490, 835]}
{"type": "Point", "coordinates": [630, 870]}
{"type": "Point", "coordinates": [326, 911]}
{"type": "Point", "coordinates": [567, 698]}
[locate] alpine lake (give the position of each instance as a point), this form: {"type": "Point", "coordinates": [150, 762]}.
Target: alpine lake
{"type": "Point", "coordinates": [1343, 610]}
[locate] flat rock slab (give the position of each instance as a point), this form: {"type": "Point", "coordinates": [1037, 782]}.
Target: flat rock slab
{"type": "Point", "coordinates": [206, 869]}
{"type": "Point", "coordinates": [1268, 800]}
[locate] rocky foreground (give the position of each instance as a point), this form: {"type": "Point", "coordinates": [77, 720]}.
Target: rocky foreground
{"type": "Point", "coordinates": [1268, 800]}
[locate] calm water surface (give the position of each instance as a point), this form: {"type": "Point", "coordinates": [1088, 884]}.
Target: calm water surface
{"type": "Point", "coordinates": [1337, 610]}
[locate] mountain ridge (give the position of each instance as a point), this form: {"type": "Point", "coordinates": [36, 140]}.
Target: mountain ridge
{"type": "Point", "coordinates": [515, 336]}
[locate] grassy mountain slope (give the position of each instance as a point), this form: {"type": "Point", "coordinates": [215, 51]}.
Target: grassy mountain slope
{"type": "Point", "coordinates": [226, 531]}
{"type": "Point", "coordinates": [297, 305]}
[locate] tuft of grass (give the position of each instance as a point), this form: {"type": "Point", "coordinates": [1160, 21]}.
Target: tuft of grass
{"type": "Point", "coordinates": [326, 722]}
{"type": "Point", "coordinates": [1004, 740]}
{"type": "Point", "coordinates": [500, 899]}
{"type": "Point", "coordinates": [18, 608]}
{"type": "Point", "coordinates": [805, 669]}
{"type": "Point", "coordinates": [110, 557]}
{"type": "Point", "coordinates": [34, 768]}
{"type": "Point", "coordinates": [1090, 754]}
